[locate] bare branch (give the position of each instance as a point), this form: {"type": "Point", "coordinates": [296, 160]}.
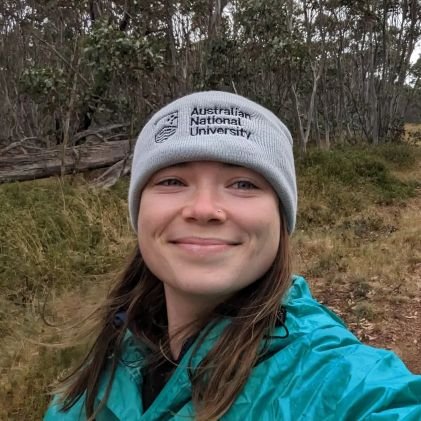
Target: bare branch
{"type": "Point", "coordinates": [16, 144]}
{"type": "Point", "coordinates": [90, 132]}
{"type": "Point", "coordinates": [59, 55]}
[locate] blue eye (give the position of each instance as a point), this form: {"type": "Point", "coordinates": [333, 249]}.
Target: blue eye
{"type": "Point", "coordinates": [170, 182]}
{"type": "Point", "coordinates": [244, 185]}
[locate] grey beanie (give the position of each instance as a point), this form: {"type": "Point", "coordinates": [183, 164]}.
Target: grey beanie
{"type": "Point", "coordinates": [216, 126]}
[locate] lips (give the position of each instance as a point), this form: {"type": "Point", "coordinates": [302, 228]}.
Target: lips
{"type": "Point", "coordinates": [200, 241]}
{"type": "Point", "coordinates": [203, 246]}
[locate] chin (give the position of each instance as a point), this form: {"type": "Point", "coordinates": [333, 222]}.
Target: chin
{"type": "Point", "coordinates": [210, 288]}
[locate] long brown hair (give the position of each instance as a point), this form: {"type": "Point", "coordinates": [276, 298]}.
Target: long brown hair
{"type": "Point", "coordinates": [222, 373]}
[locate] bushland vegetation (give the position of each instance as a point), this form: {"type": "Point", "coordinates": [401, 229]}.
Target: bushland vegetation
{"type": "Point", "coordinates": [333, 70]}
{"type": "Point", "coordinates": [358, 241]}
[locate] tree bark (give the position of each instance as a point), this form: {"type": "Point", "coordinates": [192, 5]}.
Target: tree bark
{"type": "Point", "coordinates": [49, 162]}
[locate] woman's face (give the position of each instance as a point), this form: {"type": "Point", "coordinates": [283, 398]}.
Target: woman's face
{"type": "Point", "coordinates": [208, 229]}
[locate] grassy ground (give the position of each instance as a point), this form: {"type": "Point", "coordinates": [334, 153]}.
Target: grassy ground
{"type": "Point", "coordinates": [358, 241]}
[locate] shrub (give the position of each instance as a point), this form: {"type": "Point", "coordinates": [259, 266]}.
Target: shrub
{"type": "Point", "coordinates": [343, 181]}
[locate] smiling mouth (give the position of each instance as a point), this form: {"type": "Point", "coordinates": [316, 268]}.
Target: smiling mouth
{"type": "Point", "coordinates": [203, 245]}
{"type": "Point", "coordinates": [199, 241]}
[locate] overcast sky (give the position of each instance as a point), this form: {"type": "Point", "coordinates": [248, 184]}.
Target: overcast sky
{"type": "Point", "coordinates": [417, 52]}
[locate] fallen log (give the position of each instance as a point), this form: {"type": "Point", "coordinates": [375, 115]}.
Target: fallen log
{"type": "Point", "coordinates": [47, 163]}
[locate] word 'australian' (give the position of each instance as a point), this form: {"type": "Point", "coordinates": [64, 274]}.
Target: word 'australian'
{"type": "Point", "coordinates": [232, 111]}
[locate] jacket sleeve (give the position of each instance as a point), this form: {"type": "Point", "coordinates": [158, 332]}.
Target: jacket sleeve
{"type": "Point", "coordinates": [384, 390]}
{"type": "Point", "coordinates": [360, 384]}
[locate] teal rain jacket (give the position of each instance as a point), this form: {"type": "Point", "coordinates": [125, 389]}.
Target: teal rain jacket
{"type": "Point", "coordinates": [319, 372]}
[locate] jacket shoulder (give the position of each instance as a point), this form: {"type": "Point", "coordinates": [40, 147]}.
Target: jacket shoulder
{"type": "Point", "coordinates": [326, 370]}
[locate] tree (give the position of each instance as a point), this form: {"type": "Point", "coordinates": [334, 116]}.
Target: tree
{"type": "Point", "coordinates": [333, 70]}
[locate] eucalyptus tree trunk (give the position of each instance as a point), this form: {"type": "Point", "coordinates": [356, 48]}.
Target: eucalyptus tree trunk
{"type": "Point", "coordinates": [304, 130]}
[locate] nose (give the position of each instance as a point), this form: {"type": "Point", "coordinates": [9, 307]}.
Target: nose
{"type": "Point", "coordinates": [204, 207]}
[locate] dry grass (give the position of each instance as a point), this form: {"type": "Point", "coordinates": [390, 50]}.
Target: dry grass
{"type": "Point", "coordinates": [358, 242]}
{"type": "Point", "coordinates": [385, 257]}
{"type": "Point", "coordinates": [413, 133]}
{"type": "Point", "coordinates": [61, 243]}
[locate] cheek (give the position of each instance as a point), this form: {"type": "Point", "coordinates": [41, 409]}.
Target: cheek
{"type": "Point", "coordinates": [142, 221]}
{"type": "Point", "coordinates": [267, 231]}
{"type": "Point", "coordinates": [145, 225]}
{"type": "Point", "coordinates": [154, 217]}
{"type": "Point", "coordinates": [147, 247]}
{"type": "Point", "coordinates": [270, 224]}
{"type": "Point", "coordinates": [270, 241]}
{"type": "Point", "coordinates": [150, 213]}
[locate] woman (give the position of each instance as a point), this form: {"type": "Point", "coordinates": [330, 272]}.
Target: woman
{"type": "Point", "coordinates": [206, 321]}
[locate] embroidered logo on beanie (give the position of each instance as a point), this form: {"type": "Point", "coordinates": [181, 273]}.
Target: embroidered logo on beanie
{"type": "Point", "coordinates": [166, 127]}
{"type": "Point", "coordinates": [218, 120]}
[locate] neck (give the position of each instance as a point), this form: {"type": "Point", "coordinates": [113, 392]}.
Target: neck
{"type": "Point", "coordinates": [184, 313]}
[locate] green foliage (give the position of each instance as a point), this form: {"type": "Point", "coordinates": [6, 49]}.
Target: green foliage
{"type": "Point", "coordinates": [343, 181]}
{"type": "Point", "coordinates": [108, 49]}
{"type": "Point", "coordinates": [112, 55]}
{"type": "Point", "coordinates": [104, 56]}
{"type": "Point", "coordinates": [45, 85]}
{"type": "Point", "coordinates": [398, 154]}
{"type": "Point", "coordinates": [222, 66]}
{"type": "Point", "coordinates": [264, 21]}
